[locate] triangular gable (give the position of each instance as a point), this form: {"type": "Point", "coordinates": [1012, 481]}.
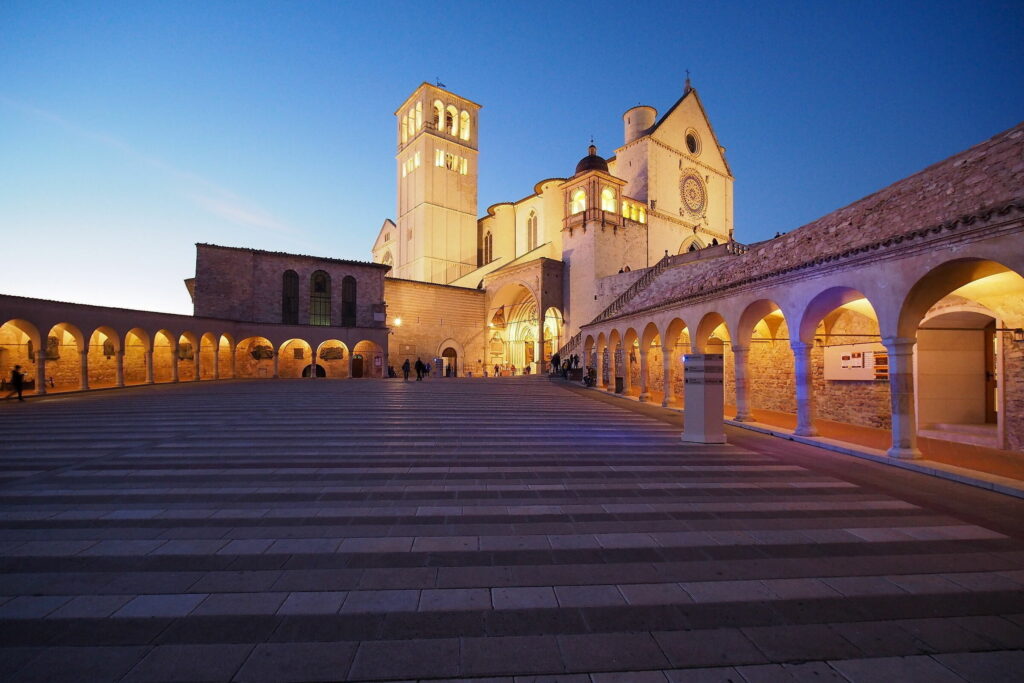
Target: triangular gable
{"type": "Point", "coordinates": [388, 228]}
{"type": "Point", "coordinates": [687, 112]}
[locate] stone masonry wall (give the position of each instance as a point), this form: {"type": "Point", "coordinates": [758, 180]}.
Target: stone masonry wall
{"type": "Point", "coordinates": [432, 314]}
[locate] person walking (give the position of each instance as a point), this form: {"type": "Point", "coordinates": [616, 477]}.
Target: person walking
{"type": "Point", "coordinates": [419, 370]}
{"type": "Point", "coordinates": [17, 383]}
{"type": "Point", "coordinates": [405, 370]}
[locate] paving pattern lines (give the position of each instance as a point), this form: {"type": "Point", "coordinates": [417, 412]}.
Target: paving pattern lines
{"type": "Point", "coordinates": [463, 529]}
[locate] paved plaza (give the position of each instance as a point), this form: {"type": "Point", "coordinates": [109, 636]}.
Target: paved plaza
{"type": "Point", "coordinates": [509, 529]}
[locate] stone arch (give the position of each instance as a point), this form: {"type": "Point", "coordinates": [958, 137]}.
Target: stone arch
{"type": "Point", "coordinates": [675, 344]}
{"type": "Point", "coordinates": [165, 362]}
{"type": "Point", "coordinates": [104, 347]}
{"type": "Point", "coordinates": [712, 333]}
{"type": "Point", "coordinates": [64, 347]}
{"type": "Point", "coordinates": [333, 356]}
{"type": "Point", "coordinates": [226, 355]}
{"type": "Point", "coordinates": [588, 353]}
{"type": "Point", "coordinates": [188, 357]}
{"type": "Point", "coordinates": [293, 356]}
{"type": "Point", "coordinates": [368, 360]}
{"type": "Point", "coordinates": [554, 332]}
{"type": "Point", "coordinates": [514, 316]}
{"type": "Point", "coordinates": [20, 345]}
{"type": "Point", "coordinates": [962, 314]}
{"type": "Point", "coordinates": [690, 244]}
{"type": "Point", "coordinates": [459, 362]}
{"type": "Point", "coordinates": [821, 305]}
{"type": "Point", "coordinates": [254, 358]}
{"type": "Point", "coordinates": [945, 279]}
{"type": "Point", "coordinates": [208, 360]}
{"type": "Point", "coordinates": [763, 360]}
{"type": "Point", "coordinates": [651, 362]}
{"type": "Point", "coordinates": [840, 321]}
{"type": "Point", "coordinates": [137, 357]}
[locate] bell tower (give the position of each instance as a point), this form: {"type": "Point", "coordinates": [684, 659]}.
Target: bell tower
{"type": "Point", "coordinates": [437, 186]}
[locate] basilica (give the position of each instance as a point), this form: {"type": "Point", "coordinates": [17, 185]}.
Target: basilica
{"type": "Point", "coordinates": [901, 313]}
{"type": "Point", "coordinates": [547, 263]}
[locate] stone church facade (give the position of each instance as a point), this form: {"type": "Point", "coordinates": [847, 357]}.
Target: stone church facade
{"type": "Point", "coordinates": [901, 312]}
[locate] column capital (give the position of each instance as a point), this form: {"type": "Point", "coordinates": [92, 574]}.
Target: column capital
{"type": "Point", "coordinates": [801, 346]}
{"type": "Point", "coordinates": [739, 348]}
{"type": "Point", "coordinates": [899, 345]}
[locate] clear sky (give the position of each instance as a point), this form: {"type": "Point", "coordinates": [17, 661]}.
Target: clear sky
{"type": "Point", "coordinates": [131, 130]}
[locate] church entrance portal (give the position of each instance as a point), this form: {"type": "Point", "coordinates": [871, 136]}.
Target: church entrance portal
{"type": "Point", "coordinates": [451, 358]}
{"type": "Point", "coordinates": [357, 365]}
{"type": "Point", "coordinates": [308, 371]}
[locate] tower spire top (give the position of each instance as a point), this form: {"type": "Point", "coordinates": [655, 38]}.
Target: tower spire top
{"type": "Point", "coordinates": [687, 88]}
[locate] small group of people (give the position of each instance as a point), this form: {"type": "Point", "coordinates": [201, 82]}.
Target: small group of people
{"type": "Point", "coordinates": [422, 370]}
{"type": "Point", "coordinates": [563, 365]}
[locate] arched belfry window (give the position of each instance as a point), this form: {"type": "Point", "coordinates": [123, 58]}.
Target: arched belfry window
{"type": "Point", "coordinates": [290, 298]}
{"type": "Point", "coordinates": [320, 298]}
{"type": "Point", "coordinates": [464, 125]}
{"type": "Point", "coordinates": [608, 199]}
{"type": "Point", "coordinates": [419, 115]}
{"type": "Point", "coordinates": [348, 301]}
{"type": "Point", "coordinates": [488, 248]}
{"type": "Point", "coordinates": [451, 120]}
{"type": "Point", "coordinates": [438, 115]}
{"type": "Point", "coordinates": [531, 231]}
{"type": "Point", "coordinates": [579, 201]}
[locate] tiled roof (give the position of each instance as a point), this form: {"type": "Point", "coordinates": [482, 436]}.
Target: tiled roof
{"type": "Point", "coordinates": [987, 176]}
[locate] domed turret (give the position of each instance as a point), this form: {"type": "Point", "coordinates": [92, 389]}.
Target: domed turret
{"type": "Point", "coordinates": [592, 162]}
{"type": "Point", "coordinates": [637, 121]}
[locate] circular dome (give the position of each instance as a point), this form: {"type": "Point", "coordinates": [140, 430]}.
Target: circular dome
{"type": "Point", "coordinates": [592, 162]}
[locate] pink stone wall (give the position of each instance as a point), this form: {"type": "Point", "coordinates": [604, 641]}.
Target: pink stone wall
{"type": "Point", "coordinates": [246, 285]}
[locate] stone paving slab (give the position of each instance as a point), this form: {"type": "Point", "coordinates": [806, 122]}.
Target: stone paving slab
{"type": "Point", "coordinates": [452, 530]}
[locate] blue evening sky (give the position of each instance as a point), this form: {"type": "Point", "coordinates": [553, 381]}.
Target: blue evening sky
{"type": "Point", "coordinates": [131, 130]}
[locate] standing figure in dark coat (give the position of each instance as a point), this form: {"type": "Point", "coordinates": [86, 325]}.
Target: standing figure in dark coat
{"type": "Point", "coordinates": [17, 383]}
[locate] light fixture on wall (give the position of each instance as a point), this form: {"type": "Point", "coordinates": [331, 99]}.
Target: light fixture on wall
{"type": "Point", "coordinates": [1018, 335]}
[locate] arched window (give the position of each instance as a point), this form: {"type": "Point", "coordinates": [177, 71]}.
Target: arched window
{"type": "Point", "coordinates": [348, 301]}
{"type": "Point", "coordinates": [625, 209]}
{"type": "Point", "coordinates": [290, 298]}
{"type": "Point", "coordinates": [320, 298]}
{"type": "Point", "coordinates": [608, 199]}
{"type": "Point", "coordinates": [531, 231]}
{"type": "Point", "coordinates": [464, 125]}
{"type": "Point", "coordinates": [451, 120]}
{"type": "Point", "coordinates": [419, 115]}
{"type": "Point", "coordinates": [405, 130]}
{"type": "Point", "coordinates": [438, 114]}
{"type": "Point", "coordinates": [643, 215]}
{"type": "Point", "coordinates": [579, 201]}
{"type": "Point", "coordinates": [488, 248]}
{"type": "Point", "coordinates": [634, 212]}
